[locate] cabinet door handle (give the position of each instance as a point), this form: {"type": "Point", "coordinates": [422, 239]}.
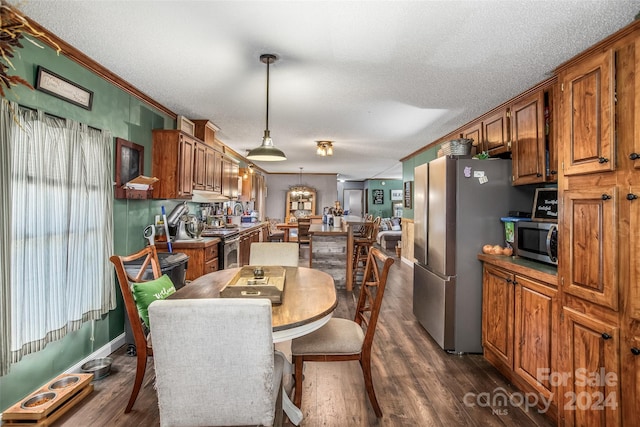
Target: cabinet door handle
{"type": "Point", "coordinates": [606, 197]}
{"type": "Point", "coordinates": [606, 336]}
{"type": "Point", "coordinates": [538, 175]}
{"type": "Point", "coordinates": [635, 351]}
{"type": "Point", "coordinates": [508, 280]}
{"type": "Point", "coordinates": [634, 156]}
{"type": "Point", "coordinates": [603, 160]}
{"type": "Point", "coordinates": [631, 196]}
{"type": "Point", "coordinates": [553, 172]}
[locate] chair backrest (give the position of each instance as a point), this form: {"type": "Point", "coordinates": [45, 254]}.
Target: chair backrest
{"type": "Point", "coordinates": [273, 225]}
{"type": "Point", "coordinates": [214, 361]}
{"type": "Point", "coordinates": [136, 271]}
{"type": "Point", "coordinates": [303, 230]}
{"type": "Point", "coordinates": [274, 253]}
{"type": "Point", "coordinates": [371, 292]}
{"type": "Point", "coordinates": [375, 229]}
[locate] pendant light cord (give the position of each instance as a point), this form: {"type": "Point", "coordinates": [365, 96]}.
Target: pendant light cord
{"type": "Point", "coordinates": [267, 125]}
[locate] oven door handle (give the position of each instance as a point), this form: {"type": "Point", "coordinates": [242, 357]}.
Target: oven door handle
{"type": "Point", "coordinates": [230, 241]}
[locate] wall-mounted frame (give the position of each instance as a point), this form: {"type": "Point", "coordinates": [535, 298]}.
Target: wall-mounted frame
{"type": "Point", "coordinates": [55, 85]}
{"type": "Point", "coordinates": [129, 165]}
{"type": "Point", "coordinates": [408, 194]}
{"type": "Point", "coordinates": [378, 196]}
{"type": "Point", "coordinates": [396, 194]}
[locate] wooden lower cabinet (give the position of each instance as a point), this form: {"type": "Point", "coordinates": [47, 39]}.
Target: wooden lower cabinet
{"type": "Point", "coordinates": [630, 375]}
{"type": "Point", "coordinates": [590, 371]}
{"type": "Point", "coordinates": [203, 255]}
{"type": "Point", "coordinates": [246, 238]}
{"type": "Point", "coordinates": [519, 332]}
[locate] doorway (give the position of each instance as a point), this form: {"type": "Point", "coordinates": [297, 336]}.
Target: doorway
{"type": "Point", "coordinates": [353, 202]}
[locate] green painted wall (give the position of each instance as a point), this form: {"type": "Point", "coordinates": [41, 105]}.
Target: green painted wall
{"type": "Point", "coordinates": [126, 117]}
{"type": "Point", "coordinates": [384, 210]}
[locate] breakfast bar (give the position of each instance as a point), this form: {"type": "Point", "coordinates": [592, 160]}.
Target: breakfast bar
{"type": "Point", "coordinates": [329, 252]}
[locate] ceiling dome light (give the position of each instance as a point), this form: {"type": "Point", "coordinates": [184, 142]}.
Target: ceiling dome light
{"type": "Point", "coordinates": [324, 148]}
{"type": "Point", "coordinates": [267, 152]}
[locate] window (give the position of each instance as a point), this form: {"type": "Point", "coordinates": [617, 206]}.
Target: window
{"type": "Point", "coordinates": [57, 210]}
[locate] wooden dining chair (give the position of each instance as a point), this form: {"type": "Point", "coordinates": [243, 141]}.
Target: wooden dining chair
{"type": "Point", "coordinates": [275, 253]}
{"type": "Point", "coordinates": [274, 233]}
{"type": "Point", "coordinates": [215, 363]}
{"type": "Point", "coordinates": [144, 258]}
{"type": "Point", "coordinates": [303, 231]}
{"type": "Point", "coordinates": [343, 339]}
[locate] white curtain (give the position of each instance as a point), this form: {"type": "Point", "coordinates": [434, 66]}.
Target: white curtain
{"type": "Point", "coordinates": [61, 227]}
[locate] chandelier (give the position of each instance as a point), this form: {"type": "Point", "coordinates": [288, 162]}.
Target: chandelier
{"type": "Point", "coordinates": [267, 152]}
{"type": "Point", "coordinates": [299, 190]}
{"type": "Point", "coordinates": [325, 148]}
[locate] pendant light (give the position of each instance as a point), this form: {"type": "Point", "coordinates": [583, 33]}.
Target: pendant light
{"type": "Point", "coordinates": [267, 152]}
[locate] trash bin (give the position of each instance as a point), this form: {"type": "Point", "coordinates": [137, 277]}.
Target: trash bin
{"type": "Point", "coordinates": [173, 265]}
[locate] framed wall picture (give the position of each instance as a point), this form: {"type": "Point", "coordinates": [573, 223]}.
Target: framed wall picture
{"type": "Point", "coordinates": [378, 196]}
{"type": "Point", "coordinates": [408, 194]}
{"type": "Point", "coordinates": [396, 194]}
{"type": "Point", "coordinates": [55, 85]}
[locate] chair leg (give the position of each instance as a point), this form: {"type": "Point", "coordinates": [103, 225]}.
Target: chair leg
{"type": "Point", "coordinates": [297, 364]}
{"type": "Point", "coordinates": [365, 363]}
{"type": "Point", "coordinates": [141, 367]}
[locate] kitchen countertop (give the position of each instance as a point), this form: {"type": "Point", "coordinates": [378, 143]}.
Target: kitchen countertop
{"type": "Point", "coordinates": [327, 230]}
{"type": "Point", "coordinates": [187, 244]}
{"type": "Point", "coordinates": [536, 270]}
{"type": "Point", "coordinates": [250, 226]}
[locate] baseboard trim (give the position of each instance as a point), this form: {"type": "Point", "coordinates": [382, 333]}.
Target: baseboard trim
{"type": "Point", "coordinates": [103, 351]}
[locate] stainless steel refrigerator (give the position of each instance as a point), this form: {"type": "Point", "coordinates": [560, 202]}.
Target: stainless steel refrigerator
{"type": "Point", "coordinates": [458, 205]}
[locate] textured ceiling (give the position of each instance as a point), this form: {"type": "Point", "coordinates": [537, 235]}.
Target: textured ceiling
{"type": "Point", "coordinates": [380, 78]}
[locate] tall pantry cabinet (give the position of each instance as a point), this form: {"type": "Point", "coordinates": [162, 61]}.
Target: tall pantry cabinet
{"type": "Point", "coordinates": [598, 99]}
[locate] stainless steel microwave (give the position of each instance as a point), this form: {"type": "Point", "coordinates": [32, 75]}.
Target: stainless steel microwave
{"type": "Point", "coordinates": [537, 240]}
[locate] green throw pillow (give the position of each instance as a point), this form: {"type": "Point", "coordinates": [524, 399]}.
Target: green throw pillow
{"type": "Point", "coordinates": [147, 292]}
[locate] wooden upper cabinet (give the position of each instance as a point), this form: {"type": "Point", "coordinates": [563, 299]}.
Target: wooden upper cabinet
{"type": "Point", "coordinates": [587, 96]}
{"type": "Point", "coordinates": [230, 171]}
{"type": "Point", "coordinates": [590, 244]}
{"type": "Point", "coordinates": [474, 132]}
{"type": "Point", "coordinates": [495, 130]}
{"type": "Point", "coordinates": [249, 185]}
{"type": "Point", "coordinates": [173, 155]}
{"type": "Point", "coordinates": [199, 168]}
{"type": "Point", "coordinates": [212, 170]}
{"type": "Point", "coordinates": [528, 140]}
{"type": "Point", "coordinates": [217, 172]}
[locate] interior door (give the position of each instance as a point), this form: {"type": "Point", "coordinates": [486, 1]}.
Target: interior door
{"type": "Point", "coordinates": [353, 202]}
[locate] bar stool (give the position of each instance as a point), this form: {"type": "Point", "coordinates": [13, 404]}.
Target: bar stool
{"type": "Point", "coordinates": [362, 244]}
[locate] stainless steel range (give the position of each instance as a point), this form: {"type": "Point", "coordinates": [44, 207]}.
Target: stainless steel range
{"type": "Point", "coordinates": [229, 249]}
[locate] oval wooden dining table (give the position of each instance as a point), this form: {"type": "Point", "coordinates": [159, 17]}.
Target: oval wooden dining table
{"type": "Point", "coordinates": [308, 301]}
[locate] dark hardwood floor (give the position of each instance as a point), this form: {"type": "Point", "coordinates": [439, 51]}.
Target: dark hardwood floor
{"type": "Point", "coordinates": [417, 383]}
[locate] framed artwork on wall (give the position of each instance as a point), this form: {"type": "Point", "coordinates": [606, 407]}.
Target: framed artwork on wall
{"type": "Point", "coordinates": [378, 196]}
{"type": "Point", "coordinates": [396, 194]}
{"type": "Point", "coordinates": [55, 85]}
{"type": "Point", "coordinates": [408, 194]}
